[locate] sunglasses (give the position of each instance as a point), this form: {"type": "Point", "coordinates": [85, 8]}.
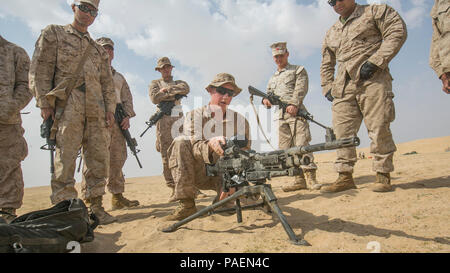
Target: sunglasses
{"type": "Point", "coordinates": [333, 2]}
{"type": "Point", "coordinates": [222, 91]}
{"type": "Point", "coordinates": [87, 9]}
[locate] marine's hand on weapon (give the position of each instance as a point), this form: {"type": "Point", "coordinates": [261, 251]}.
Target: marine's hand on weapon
{"type": "Point", "coordinates": [292, 110]}
{"type": "Point", "coordinates": [216, 144]}
{"type": "Point", "coordinates": [125, 123]}
{"type": "Point", "coordinates": [47, 112]}
{"type": "Point", "coordinates": [267, 103]}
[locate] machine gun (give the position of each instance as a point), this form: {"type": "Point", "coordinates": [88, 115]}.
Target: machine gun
{"type": "Point", "coordinates": [248, 171]}
{"type": "Point", "coordinates": [120, 115]}
{"type": "Point", "coordinates": [164, 109]}
{"type": "Point", "coordinates": [275, 100]}
{"type": "Point", "coordinates": [50, 144]}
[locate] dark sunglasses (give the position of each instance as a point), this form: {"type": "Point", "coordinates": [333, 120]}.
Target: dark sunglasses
{"type": "Point", "coordinates": [222, 91]}
{"type": "Point", "coordinates": [333, 2]}
{"type": "Point", "coordinates": [87, 9]}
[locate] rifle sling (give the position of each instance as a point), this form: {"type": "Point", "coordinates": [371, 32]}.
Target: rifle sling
{"type": "Point", "coordinates": [259, 123]}
{"type": "Point", "coordinates": [61, 105]}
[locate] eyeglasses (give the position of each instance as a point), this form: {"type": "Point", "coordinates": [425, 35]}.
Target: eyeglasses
{"type": "Point", "coordinates": [222, 91]}
{"type": "Point", "coordinates": [87, 9]}
{"type": "Point", "coordinates": [333, 2]}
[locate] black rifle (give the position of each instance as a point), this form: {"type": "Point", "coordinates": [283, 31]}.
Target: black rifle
{"type": "Point", "coordinates": [120, 115]}
{"type": "Point", "coordinates": [50, 144]}
{"type": "Point", "coordinates": [275, 100]}
{"type": "Point", "coordinates": [248, 171]}
{"type": "Point", "coordinates": [164, 109]}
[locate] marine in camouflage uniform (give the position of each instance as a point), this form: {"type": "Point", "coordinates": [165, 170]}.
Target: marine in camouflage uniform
{"type": "Point", "coordinates": [14, 96]}
{"type": "Point", "coordinates": [118, 149]}
{"type": "Point", "coordinates": [165, 89]}
{"type": "Point", "coordinates": [90, 106]}
{"type": "Point", "coordinates": [440, 44]}
{"type": "Point", "coordinates": [363, 42]}
{"type": "Point", "coordinates": [290, 83]}
{"type": "Point", "coordinates": [205, 129]}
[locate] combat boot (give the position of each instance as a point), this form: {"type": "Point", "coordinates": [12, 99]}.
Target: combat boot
{"type": "Point", "coordinates": [383, 183]}
{"type": "Point", "coordinates": [172, 195]}
{"type": "Point", "coordinates": [299, 183]}
{"type": "Point", "coordinates": [343, 183]}
{"type": "Point", "coordinates": [118, 201]}
{"type": "Point", "coordinates": [95, 204]}
{"type": "Point", "coordinates": [186, 207]}
{"type": "Point", "coordinates": [311, 180]}
{"type": "Point", "coordinates": [9, 214]}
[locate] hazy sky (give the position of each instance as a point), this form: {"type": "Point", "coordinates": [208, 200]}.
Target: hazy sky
{"type": "Point", "coordinates": [206, 37]}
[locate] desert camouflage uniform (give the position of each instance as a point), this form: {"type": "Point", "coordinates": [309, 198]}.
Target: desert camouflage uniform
{"type": "Point", "coordinates": [440, 45]}
{"type": "Point", "coordinates": [83, 124]}
{"type": "Point", "coordinates": [373, 33]}
{"type": "Point", "coordinates": [118, 147]}
{"type": "Point", "coordinates": [190, 153]}
{"type": "Point", "coordinates": [14, 96]}
{"type": "Point", "coordinates": [164, 126]}
{"type": "Point", "coordinates": [291, 85]}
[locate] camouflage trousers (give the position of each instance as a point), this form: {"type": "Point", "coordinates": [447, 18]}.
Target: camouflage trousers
{"type": "Point", "coordinates": [13, 150]}
{"type": "Point", "coordinates": [371, 101]}
{"type": "Point", "coordinates": [164, 139]}
{"type": "Point", "coordinates": [115, 182]}
{"type": "Point", "coordinates": [294, 131]}
{"type": "Point", "coordinates": [189, 171]}
{"type": "Point", "coordinates": [77, 131]}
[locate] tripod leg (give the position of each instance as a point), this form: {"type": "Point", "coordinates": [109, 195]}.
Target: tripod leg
{"type": "Point", "coordinates": [272, 201]}
{"type": "Point", "coordinates": [204, 211]}
{"type": "Point", "coordinates": [238, 211]}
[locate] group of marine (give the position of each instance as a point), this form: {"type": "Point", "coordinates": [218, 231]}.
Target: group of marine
{"type": "Point", "coordinates": [71, 77]}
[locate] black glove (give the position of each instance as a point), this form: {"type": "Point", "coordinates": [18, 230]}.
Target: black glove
{"type": "Point", "coordinates": [367, 70]}
{"type": "Point", "coordinates": [329, 96]}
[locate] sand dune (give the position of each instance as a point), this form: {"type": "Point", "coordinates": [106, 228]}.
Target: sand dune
{"type": "Point", "coordinates": [413, 218]}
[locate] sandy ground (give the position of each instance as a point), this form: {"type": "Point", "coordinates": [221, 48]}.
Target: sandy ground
{"type": "Point", "coordinates": [413, 218]}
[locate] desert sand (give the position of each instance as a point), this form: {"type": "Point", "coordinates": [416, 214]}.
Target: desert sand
{"type": "Point", "coordinates": [415, 217]}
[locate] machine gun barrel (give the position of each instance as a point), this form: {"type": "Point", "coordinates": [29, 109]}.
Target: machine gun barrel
{"type": "Point", "coordinates": [46, 128]}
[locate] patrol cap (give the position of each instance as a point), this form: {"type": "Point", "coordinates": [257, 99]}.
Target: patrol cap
{"type": "Point", "coordinates": [279, 48]}
{"type": "Point", "coordinates": [223, 78]}
{"type": "Point", "coordinates": [103, 41]}
{"type": "Point", "coordinates": [94, 3]}
{"type": "Point", "coordinates": [162, 62]}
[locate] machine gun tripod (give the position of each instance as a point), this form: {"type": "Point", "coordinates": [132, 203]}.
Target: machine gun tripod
{"type": "Point", "coordinates": [248, 171]}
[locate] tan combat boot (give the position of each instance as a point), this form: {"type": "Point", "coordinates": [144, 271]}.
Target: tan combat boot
{"type": "Point", "coordinates": [343, 183]}
{"type": "Point", "coordinates": [383, 183]}
{"type": "Point", "coordinates": [9, 216]}
{"type": "Point", "coordinates": [186, 207]}
{"type": "Point", "coordinates": [172, 195]}
{"type": "Point", "coordinates": [299, 183]}
{"type": "Point", "coordinates": [95, 204]}
{"type": "Point", "coordinates": [311, 180]}
{"type": "Point", "coordinates": [118, 201]}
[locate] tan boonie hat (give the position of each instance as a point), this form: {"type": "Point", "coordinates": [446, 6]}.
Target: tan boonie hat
{"type": "Point", "coordinates": [162, 62]}
{"type": "Point", "coordinates": [105, 41]}
{"type": "Point", "coordinates": [279, 48]}
{"type": "Point", "coordinates": [223, 78]}
{"type": "Point", "coordinates": [92, 2]}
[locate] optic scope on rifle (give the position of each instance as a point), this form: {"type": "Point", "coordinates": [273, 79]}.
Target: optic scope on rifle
{"type": "Point", "coordinates": [240, 168]}
{"type": "Point", "coordinates": [275, 100]}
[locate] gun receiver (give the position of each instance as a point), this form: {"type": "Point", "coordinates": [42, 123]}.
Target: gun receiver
{"type": "Point", "coordinates": [120, 115]}
{"type": "Point", "coordinates": [247, 172]}
{"type": "Point", "coordinates": [164, 109]}
{"type": "Point", "coordinates": [275, 100]}
{"type": "Point", "coordinates": [50, 144]}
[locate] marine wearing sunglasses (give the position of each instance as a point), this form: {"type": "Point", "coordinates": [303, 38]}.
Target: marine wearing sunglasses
{"type": "Point", "coordinates": [86, 9]}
